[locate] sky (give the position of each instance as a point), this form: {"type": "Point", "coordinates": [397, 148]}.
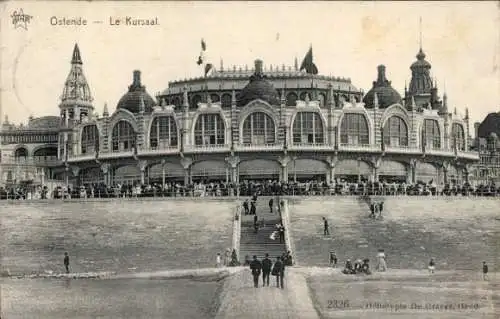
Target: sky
{"type": "Point", "coordinates": [349, 39]}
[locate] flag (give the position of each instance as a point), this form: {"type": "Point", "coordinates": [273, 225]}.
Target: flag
{"type": "Point", "coordinates": [308, 64]}
{"type": "Point", "coordinates": [202, 58]}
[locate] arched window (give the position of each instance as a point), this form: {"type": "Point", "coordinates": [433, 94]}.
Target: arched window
{"type": "Point", "coordinates": [458, 135]}
{"type": "Point", "coordinates": [21, 153]}
{"type": "Point", "coordinates": [291, 99]}
{"type": "Point", "coordinates": [123, 137]}
{"type": "Point", "coordinates": [209, 130]}
{"type": "Point", "coordinates": [90, 139]}
{"type": "Point", "coordinates": [432, 136]}
{"type": "Point", "coordinates": [163, 132]}
{"type": "Point", "coordinates": [308, 128]}
{"type": "Point", "coordinates": [214, 98]}
{"type": "Point", "coordinates": [354, 129]}
{"type": "Point", "coordinates": [395, 132]}
{"type": "Point", "coordinates": [226, 100]}
{"type": "Point", "coordinates": [48, 153]}
{"type": "Point", "coordinates": [195, 100]}
{"type": "Point", "coordinates": [259, 129]}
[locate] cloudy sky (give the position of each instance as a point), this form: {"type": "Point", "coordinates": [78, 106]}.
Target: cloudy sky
{"type": "Point", "coordinates": [349, 39]}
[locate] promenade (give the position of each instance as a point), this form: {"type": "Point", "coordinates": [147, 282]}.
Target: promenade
{"type": "Point", "coordinates": [241, 300]}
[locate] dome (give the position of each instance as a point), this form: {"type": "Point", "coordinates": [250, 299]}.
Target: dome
{"type": "Point", "coordinates": [44, 122]}
{"type": "Point", "coordinates": [132, 99]}
{"type": "Point", "coordinates": [386, 94]}
{"type": "Point", "coordinates": [421, 62]}
{"type": "Point", "coordinates": [258, 88]}
{"type": "Point", "coordinates": [491, 124]}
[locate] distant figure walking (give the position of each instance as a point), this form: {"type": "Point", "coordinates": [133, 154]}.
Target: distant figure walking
{"type": "Point", "coordinates": [432, 266]}
{"type": "Point", "coordinates": [372, 210]}
{"type": "Point", "coordinates": [266, 270]}
{"type": "Point", "coordinates": [485, 271]}
{"type": "Point", "coordinates": [66, 262]}
{"type": "Point", "coordinates": [333, 259]}
{"type": "Point", "coordinates": [382, 264]}
{"type": "Point", "coordinates": [255, 267]}
{"type": "Point", "coordinates": [271, 203]}
{"type": "Point", "coordinates": [281, 230]}
{"type": "Point", "coordinates": [245, 207]}
{"type": "Point", "coordinates": [326, 230]}
{"type": "Point", "coordinates": [227, 257]}
{"type": "Point", "coordinates": [277, 271]}
{"type": "Point", "coordinates": [218, 260]}
{"type": "Point", "coordinates": [253, 209]}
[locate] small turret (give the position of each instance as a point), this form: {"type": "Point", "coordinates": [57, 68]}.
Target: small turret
{"type": "Point", "coordinates": [296, 64]}
{"type": "Point", "coordinates": [163, 103]}
{"type": "Point", "coordinates": [466, 114]}
{"type": "Point", "coordinates": [105, 112]}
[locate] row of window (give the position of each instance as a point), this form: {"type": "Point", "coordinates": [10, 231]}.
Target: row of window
{"type": "Point", "coordinates": [259, 128]}
{"type": "Point", "coordinates": [19, 139]}
{"type": "Point", "coordinates": [226, 99]}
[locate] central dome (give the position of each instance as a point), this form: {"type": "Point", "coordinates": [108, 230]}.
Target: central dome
{"type": "Point", "coordinates": [386, 94]}
{"type": "Point", "coordinates": [132, 99]}
{"type": "Point", "coordinates": [491, 124]}
{"type": "Point", "coordinates": [258, 88]}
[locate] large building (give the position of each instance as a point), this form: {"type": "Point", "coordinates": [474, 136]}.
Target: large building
{"type": "Point", "coordinates": [487, 143]}
{"type": "Point", "coordinates": [240, 124]}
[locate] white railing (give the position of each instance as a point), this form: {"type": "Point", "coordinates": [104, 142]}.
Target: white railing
{"type": "Point", "coordinates": [360, 147]}
{"type": "Point", "coordinates": [402, 149]}
{"type": "Point", "coordinates": [32, 161]}
{"type": "Point", "coordinates": [259, 147]}
{"type": "Point", "coordinates": [206, 148]}
{"type": "Point", "coordinates": [159, 150]}
{"type": "Point", "coordinates": [311, 147]}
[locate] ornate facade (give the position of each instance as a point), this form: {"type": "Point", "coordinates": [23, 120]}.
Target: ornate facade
{"type": "Point", "coordinates": [274, 123]}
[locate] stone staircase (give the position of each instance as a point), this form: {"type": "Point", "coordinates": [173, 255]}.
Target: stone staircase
{"type": "Point", "coordinates": [259, 243]}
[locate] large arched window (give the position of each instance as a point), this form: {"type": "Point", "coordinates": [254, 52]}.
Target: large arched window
{"type": "Point", "coordinates": [458, 135]}
{"type": "Point", "coordinates": [354, 129]}
{"type": "Point", "coordinates": [90, 139]}
{"type": "Point", "coordinates": [123, 137]}
{"type": "Point", "coordinates": [308, 128]}
{"type": "Point", "coordinates": [163, 132]}
{"type": "Point", "coordinates": [291, 99]}
{"type": "Point", "coordinates": [432, 136]}
{"type": "Point", "coordinates": [259, 129]}
{"type": "Point", "coordinates": [209, 130]}
{"type": "Point", "coordinates": [395, 132]}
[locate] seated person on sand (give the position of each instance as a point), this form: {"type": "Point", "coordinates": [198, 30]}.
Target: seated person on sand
{"type": "Point", "coordinates": [365, 268]}
{"type": "Point", "coordinates": [348, 268]}
{"type": "Point", "coordinates": [357, 266]}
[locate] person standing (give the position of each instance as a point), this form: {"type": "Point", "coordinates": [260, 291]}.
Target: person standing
{"type": "Point", "coordinates": [253, 209]}
{"type": "Point", "coordinates": [271, 203]}
{"type": "Point", "coordinates": [333, 259]}
{"type": "Point", "coordinates": [485, 271]}
{"type": "Point", "coordinates": [218, 260]}
{"type": "Point", "coordinates": [382, 264]}
{"type": "Point", "coordinates": [281, 229]}
{"type": "Point", "coordinates": [266, 270]}
{"type": "Point", "coordinates": [277, 269]}
{"type": "Point", "coordinates": [432, 266]}
{"type": "Point", "coordinates": [282, 273]}
{"type": "Point", "coordinates": [326, 230]}
{"type": "Point", "coordinates": [245, 206]}
{"type": "Point", "coordinates": [66, 262]}
{"type": "Point", "coordinates": [255, 267]}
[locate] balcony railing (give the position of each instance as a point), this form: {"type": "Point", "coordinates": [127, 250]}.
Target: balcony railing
{"type": "Point", "coordinates": [259, 147]}
{"type": "Point", "coordinates": [360, 147]}
{"type": "Point", "coordinates": [207, 148]}
{"type": "Point", "coordinates": [311, 147]}
{"type": "Point", "coordinates": [33, 161]}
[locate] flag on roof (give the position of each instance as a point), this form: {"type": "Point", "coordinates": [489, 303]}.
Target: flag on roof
{"type": "Point", "coordinates": [202, 58]}
{"type": "Point", "coordinates": [308, 64]}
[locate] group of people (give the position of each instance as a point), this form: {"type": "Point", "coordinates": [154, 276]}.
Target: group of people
{"type": "Point", "coordinates": [230, 259]}
{"type": "Point", "coordinates": [267, 268]}
{"type": "Point", "coordinates": [360, 266]}
{"type": "Point", "coordinates": [376, 209]}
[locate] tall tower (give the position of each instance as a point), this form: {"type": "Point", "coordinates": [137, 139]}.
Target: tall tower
{"type": "Point", "coordinates": [75, 106]}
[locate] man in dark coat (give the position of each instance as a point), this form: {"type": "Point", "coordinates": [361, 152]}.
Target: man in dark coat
{"type": "Point", "coordinates": [271, 203]}
{"type": "Point", "coordinates": [253, 209]}
{"type": "Point", "coordinates": [245, 206]}
{"type": "Point", "coordinates": [66, 262]}
{"type": "Point", "coordinates": [277, 271]}
{"type": "Point", "coordinates": [326, 230]}
{"type": "Point", "coordinates": [256, 268]}
{"type": "Point", "coordinates": [266, 270]}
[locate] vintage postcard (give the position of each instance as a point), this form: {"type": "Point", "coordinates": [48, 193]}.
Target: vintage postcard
{"type": "Point", "coordinates": [249, 159]}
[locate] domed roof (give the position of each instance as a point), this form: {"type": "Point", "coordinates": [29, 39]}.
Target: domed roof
{"type": "Point", "coordinates": [258, 88]}
{"type": "Point", "coordinates": [44, 122]}
{"type": "Point", "coordinates": [132, 99]}
{"type": "Point", "coordinates": [491, 124]}
{"type": "Point", "coordinates": [386, 94]}
{"type": "Point", "coordinates": [421, 62]}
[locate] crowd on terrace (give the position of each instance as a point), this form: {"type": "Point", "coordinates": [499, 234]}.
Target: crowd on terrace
{"type": "Point", "coordinates": [248, 188]}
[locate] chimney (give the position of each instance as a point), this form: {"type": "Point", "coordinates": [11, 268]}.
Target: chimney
{"type": "Point", "coordinates": [258, 67]}
{"type": "Point", "coordinates": [381, 74]}
{"type": "Point", "coordinates": [476, 129]}
{"type": "Point", "coordinates": [137, 78]}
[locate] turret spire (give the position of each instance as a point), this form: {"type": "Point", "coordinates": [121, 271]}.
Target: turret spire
{"type": "Point", "coordinates": [105, 112]}
{"type": "Point", "coordinates": [76, 59]}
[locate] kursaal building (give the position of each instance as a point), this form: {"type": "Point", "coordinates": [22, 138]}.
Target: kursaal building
{"type": "Point", "coordinates": [280, 123]}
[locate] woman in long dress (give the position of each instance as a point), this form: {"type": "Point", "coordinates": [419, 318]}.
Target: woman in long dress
{"type": "Point", "coordinates": [381, 265]}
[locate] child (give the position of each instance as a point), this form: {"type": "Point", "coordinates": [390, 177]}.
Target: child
{"type": "Point", "coordinates": [333, 259]}
{"type": "Point", "coordinates": [432, 266]}
{"type": "Point", "coordinates": [485, 271]}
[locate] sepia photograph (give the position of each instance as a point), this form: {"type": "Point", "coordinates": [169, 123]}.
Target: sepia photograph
{"type": "Point", "coordinates": [241, 160]}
